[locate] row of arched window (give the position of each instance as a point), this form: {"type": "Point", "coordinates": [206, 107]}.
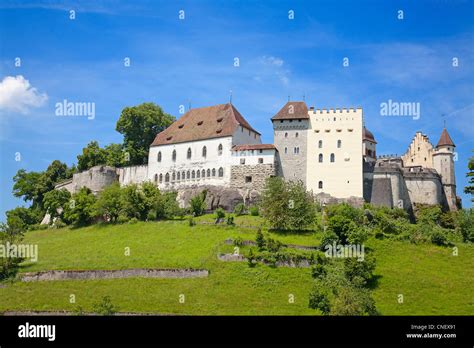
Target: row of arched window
{"type": "Point", "coordinates": [320, 144]}
{"type": "Point", "coordinates": [189, 153]}
{"type": "Point", "coordinates": [189, 175]}
{"type": "Point", "coordinates": [332, 158]}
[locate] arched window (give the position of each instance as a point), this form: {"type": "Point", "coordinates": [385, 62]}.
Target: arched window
{"type": "Point", "coordinates": [193, 174]}
{"type": "Point", "coordinates": [203, 173]}
{"type": "Point", "coordinates": [159, 156]}
{"type": "Point", "coordinates": [173, 177]}
{"type": "Point", "coordinates": [156, 177]}
{"type": "Point", "coordinates": [286, 135]}
{"type": "Point", "coordinates": [219, 149]}
{"type": "Point", "coordinates": [174, 155]}
{"type": "Point", "coordinates": [183, 175]}
{"type": "Point", "coordinates": [320, 158]}
{"type": "Point", "coordinates": [167, 177]}
{"type": "Point", "coordinates": [188, 175]}
{"type": "Point", "coordinates": [189, 153]}
{"type": "Point", "coordinates": [213, 171]}
{"type": "Point", "coordinates": [320, 144]}
{"type": "Point", "coordinates": [286, 150]}
{"type": "Point", "coordinates": [320, 184]}
{"type": "Point", "coordinates": [198, 174]}
{"type": "Point", "coordinates": [332, 159]}
{"type": "Point", "coordinates": [179, 176]}
{"type": "Point", "coordinates": [339, 143]}
{"type": "Point", "coordinates": [296, 135]}
{"type": "Point", "coordinates": [204, 151]}
{"type": "Point", "coordinates": [208, 173]}
{"type": "Point", "coordinates": [221, 172]}
{"type": "Point", "coordinates": [161, 178]}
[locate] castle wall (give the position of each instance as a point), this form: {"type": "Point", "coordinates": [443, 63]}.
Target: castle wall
{"type": "Point", "coordinates": [251, 177]}
{"type": "Point", "coordinates": [335, 133]}
{"type": "Point", "coordinates": [96, 179]}
{"type": "Point", "coordinates": [132, 175]}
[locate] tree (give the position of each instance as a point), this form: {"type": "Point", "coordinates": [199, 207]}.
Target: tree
{"type": "Point", "coordinates": [92, 155]}
{"type": "Point", "coordinates": [81, 209]}
{"type": "Point", "coordinates": [56, 200]}
{"type": "Point", "coordinates": [115, 156]}
{"type": "Point", "coordinates": [275, 202]}
{"type": "Point", "coordinates": [110, 202]}
{"type": "Point", "coordinates": [470, 188]}
{"type": "Point", "coordinates": [20, 218]}
{"type": "Point", "coordinates": [198, 203]}
{"type": "Point", "coordinates": [139, 126]}
{"type": "Point", "coordinates": [134, 202]}
{"type": "Point", "coordinates": [9, 264]}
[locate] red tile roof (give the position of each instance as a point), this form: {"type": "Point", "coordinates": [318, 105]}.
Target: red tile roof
{"type": "Point", "coordinates": [203, 123]}
{"type": "Point", "coordinates": [291, 111]}
{"type": "Point", "coordinates": [253, 147]}
{"type": "Point", "coordinates": [445, 139]}
{"type": "Point", "coordinates": [367, 135]}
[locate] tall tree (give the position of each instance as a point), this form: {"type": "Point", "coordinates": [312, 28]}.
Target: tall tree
{"type": "Point", "coordinates": [470, 188]}
{"type": "Point", "coordinates": [92, 155]}
{"type": "Point", "coordinates": [139, 126]}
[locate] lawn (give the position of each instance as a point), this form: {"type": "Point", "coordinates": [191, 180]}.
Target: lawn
{"type": "Point", "coordinates": [432, 281]}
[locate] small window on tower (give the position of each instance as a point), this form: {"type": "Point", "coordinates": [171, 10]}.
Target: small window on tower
{"type": "Point", "coordinates": [260, 160]}
{"type": "Point", "coordinates": [248, 179]}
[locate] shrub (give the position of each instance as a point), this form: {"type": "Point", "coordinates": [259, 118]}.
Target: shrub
{"type": "Point", "coordinates": [220, 213]}
{"type": "Point", "coordinates": [105, 307]}
{"type": "Point", "coordinates": [198, 204]}
{"type": "Point", "coordinates": [123, 219]}
{"type": "Point", "coordinates": [353, 301]}
{"type": "Point", "coordinates": [230, 220]}
{"type": "Point", "coordinates": [253, 210]}
{"type": "Point", "coordinates": [438, 236]}
{"type": "Point", "coordinates": [328, 238]}
{"type": "Point", "coordinates": [36, 227]}
{"type": "Point", "coordinates": [151, 216]}
{"type": "Point", "coordinates": [359, 272]}
{"type": "Point", "coordinates": [133, 220]}
{"type": "Point", "coordinates": [238, 242]}
{"type": "Point", "coordinates": [21, 218]}
{"type": "Point", "coordinates": [251, 258]}
{"type": "Point", "coordinates": [260, 240]}
{"type": "Point", "coordinates": [135, 203]}
{"type": "Point", "coordinates": [110, 202]}
{"type": "Point", "coordinates": [428, 214]}
{"type": "Point", "coordinates": [191, 222]}
{"type": "Point", "coordinates": [239, 209]}
{"type": "Point", "coordinates": [465, 224]}
{"type": "Point", "coordinates": [319, 298]}
{"type": "Point", "coordinates": [272, 245]}
{"type": "Point", "coordinates": [81, 210]}
{"type": "Point", "coordinates": [8, 264]}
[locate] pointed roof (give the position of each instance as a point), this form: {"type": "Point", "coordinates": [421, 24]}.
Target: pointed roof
{"type": "Point", "coordinates": [367, 135]}
{"type": "Point", "coordinates": [445, 139]}
{"type": "Point", "coordinates": [203, 123]}
{"type": "Point", "coordinates": [292, 110]}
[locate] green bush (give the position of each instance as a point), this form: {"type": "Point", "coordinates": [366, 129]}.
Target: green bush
{"type": "Point", "coordinates": [36, 227]}
{"type": "Point", "coordinates": [151, 216]}
{"type": "Point", "coordinates": [81, 209]}
{"type": "Point", "coordinates": [219, 213]}
{"type": "Point", "coordinates": [465, 224]}
{"type": "Point", "coordinates": [239, 209]}
{"type": "Point", "coordinates": [230, 220]}
{"type": "Point", "coordinates": [238, 242]}
{"type": "Point", "coordinates": [198, 204]}
{"type": "Point", "coordinates": [110, 202]}
{"type": "Point", "coordinates": [133, 220]}
{"type": "Point", "coordinates": [191, 222]}
{"type": "Point", "coordinates": [105, 307]}
{"type": "Point", "coordinates": [260, 240]}
{"type": "Point", "coordinates": [123, 219]}
{"type": "Point", "coordinates": [253, 210]}
{"type": "Point", "coordinates": [438, 237]}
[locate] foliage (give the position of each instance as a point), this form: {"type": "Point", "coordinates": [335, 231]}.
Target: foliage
{"type": "Point", "coordinates": [9, 264]}
{"type": "Point", "coordinates": [135, 203]}
{"type": "Point", "coordinates": [81, 209]}
{"type": "Point", "coordinates": [198, 203]}
{"type": "Point", "coordinates": [230, 220]}
{"type": "Point", "coordinates": [219, 213]}
{"type": "Point", "coordinates": [465, 224]}
{"type": "Point", "coordinates": [22, 218]}
{"type": "Point", "coordinates": [55, 201]}
{"type": "Point", "coordinates": [287, 205]}
{"type": "Point", "coordinates": [109, 203]}
{"type": "Point", "coordinates": [359, 272]}
{"type": "Point", "coordinates": [253, 210]}
{"type": "Point", "coordinates": [469, 189]}
{"type": "Point", "coordinates": [92, 155]}
{"type": "Point", "coordinates": [105, 307]}
{"type": "Point", "coordinates": [428, 214]}
{"type": "Point", "coordinates": [239, 209]}
{"type": "Point", "coordinates": [139, 126]}
{"type": "Point", "coordinates": [115, 155]}
{"type": "Point", "coordinates": [260, 240]}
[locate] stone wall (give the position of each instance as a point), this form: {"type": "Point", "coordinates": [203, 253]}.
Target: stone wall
{"type": "Point", "coordinates": [132, 175]}
{"type": "Point", "coordinates": [251, 177]}
{"type": "Point", "coordinates": [96, 179]}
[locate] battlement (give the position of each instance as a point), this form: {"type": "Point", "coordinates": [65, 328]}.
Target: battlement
{"type": "Point", "coordinates": [336, 110]}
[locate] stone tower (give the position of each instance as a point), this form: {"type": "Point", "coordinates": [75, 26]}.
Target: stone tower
{"type": "Point", "coordinates": [290, 127]}
{"type": "Point", "coordinates": [443, 162]}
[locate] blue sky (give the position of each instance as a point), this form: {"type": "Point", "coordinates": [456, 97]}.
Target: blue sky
{"type": "Point", "coordinates": [174, 62]}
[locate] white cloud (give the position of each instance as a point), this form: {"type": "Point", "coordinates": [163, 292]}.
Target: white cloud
{"type": "Point", "coordinates": [273, 60]}
{"type": "Point", "coordinates": [17, 95]}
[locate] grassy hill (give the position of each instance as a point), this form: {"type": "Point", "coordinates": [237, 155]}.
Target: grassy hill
{"type": "Point", "coordinates": [431, 279]}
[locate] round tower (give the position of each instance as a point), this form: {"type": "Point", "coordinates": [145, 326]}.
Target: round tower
{"type": "Point", "coordinates": [443, 162]}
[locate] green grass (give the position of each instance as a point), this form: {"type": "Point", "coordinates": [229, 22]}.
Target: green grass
{"type": "Point", "coordinates": [432, 281]}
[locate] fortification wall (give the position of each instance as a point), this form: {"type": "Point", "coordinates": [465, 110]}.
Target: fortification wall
{"type": "Point", "coordinates": [251, 177]}
{"type": "Point", "coordinates": [132, 175]}
{"type": "Point", "coordinates": [96, 179]}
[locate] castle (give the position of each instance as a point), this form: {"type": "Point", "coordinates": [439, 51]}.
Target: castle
{"type": "Point", "coordinates": [329, 150]}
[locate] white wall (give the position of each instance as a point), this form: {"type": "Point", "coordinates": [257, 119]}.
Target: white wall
{"type": "Point", "coordinates": [242, 136]}
{"type": "Point", "coordinates": [251, 158]}
{"type": "Point", "coordinates": [132, 175]}
{"type": "Point", "coordinates": [342, 178]}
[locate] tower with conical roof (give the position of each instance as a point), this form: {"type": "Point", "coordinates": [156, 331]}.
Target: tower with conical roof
{"type": "Point", "coordinates": [443, 162]}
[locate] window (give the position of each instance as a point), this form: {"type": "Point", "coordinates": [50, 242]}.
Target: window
{"type": "Point", "coordinates": [320, 184]}
{"type": "Point", "coordinates": [161, 178]}
{"type": "Point", "coordinates": [204, 151]}
{"type": "Point", "coordinates": [260, 151]}
{"type": "Point", "coordinates": [193, 174]}
{"type": "Point", "coordinates": [296, 135]}
{"type": "Point", "coordinates": [286, 135]}
{"type": "Point", "coordinates": [159, 156]}
{"type": "Point", "coordinates": [242, 161]}
{"type": "Point", "coordinates": [221, 172]}
{"type": "Point", "coordinates": [248, 179]}
{"type": "Point", "coordinates": [203, 173]}
{"type": "Point", "coordinates": [189, 153]}
{"type": "Point", "coordinates": [173, 177]}
{"type": "Point", "coordinates": [320, 158]}
{"type": "Point", "coordinates": [208, 173]}
{"type": "Point", "coordinates": [188, 175]}
{"type": "Point", "coordinates": [174, 155]}
{"type": "Point", "coordinates": [332, 159]}
{"type": "Point", "coordinates": [183, 175]}
{"type": "Point", "coordinates": [260, 160]}
{"type": "Point", "coordinates": [296, 150]}
{"type": "Point", "coordinates": [178, 176]}
{"type": "Point", "coordinates": [219, 149]}
{"type": "Point", "coordinates": [286, 150]}
{"type": "Point", "coordinates": [198, 174]}
{"type": "Point", "coordinates": [320, 144]}
{"type": "Point", "coordinates": [156, 177]}
{"type": "Point", "coordinates": [339, 143]}
{"type": "Point", "coordinates": [214, 172]}
{"type": "Point", "coordinates": [167, 177]}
